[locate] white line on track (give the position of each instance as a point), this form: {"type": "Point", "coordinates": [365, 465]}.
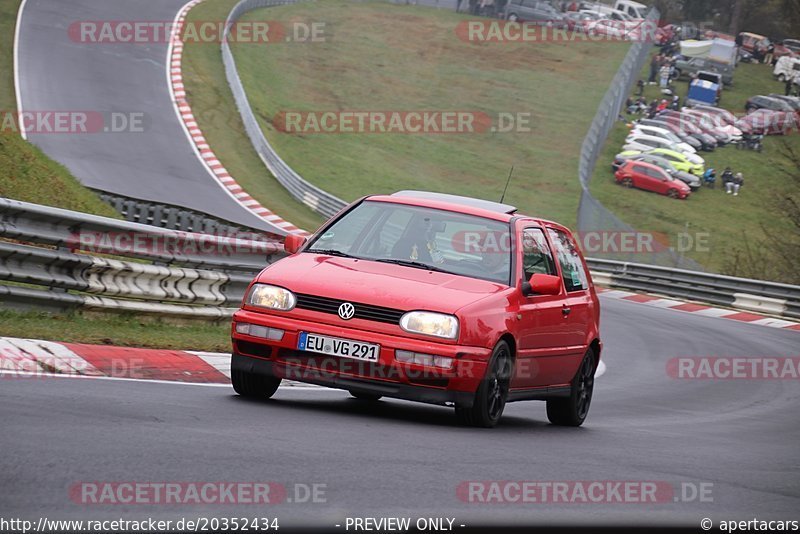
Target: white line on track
{"type": "Point", "coordinates": [17, 89]}
{"type": "Point", "coordinates": [33, 376]}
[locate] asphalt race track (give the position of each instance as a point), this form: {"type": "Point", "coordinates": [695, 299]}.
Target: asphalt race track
{"type": "Point", "coordinates": [58, 73]}
{"type": "Point", "coordinates": [393, 457]}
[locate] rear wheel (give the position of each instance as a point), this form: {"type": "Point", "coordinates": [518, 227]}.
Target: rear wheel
{"type": "Point", "coordinates": [513, 17]}
{"type": "Point", "coordinates": [490, 399]}
{"type": "Point", "coordinates": [254, 385]}
{"type": "Point", "coordinates": [361, 395]}
{"type": "Point", "coordinates": [572, 411]}
{"type": "Point", "coordinates": [672, 193]}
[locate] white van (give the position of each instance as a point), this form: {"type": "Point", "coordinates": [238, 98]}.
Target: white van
{"type": "Point", "coordinates": [787, 67]}
{"type": "Point", "coordinates": [608, 12]}
{"type": "Point", "coordinates": [634, 9]}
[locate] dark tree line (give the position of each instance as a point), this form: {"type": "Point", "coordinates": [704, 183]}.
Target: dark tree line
{"type": "Point", "coordinates": [775, 18]}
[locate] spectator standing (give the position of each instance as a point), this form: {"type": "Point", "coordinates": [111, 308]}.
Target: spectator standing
{"type": "Point", "coordinates": [640, 88]}
{"type": "Point", "coordinates": [651, 112]}
{"type": "Point", "coordinates": [655, 63]}
{"type": "Point", "coordinates": [665, 72]}
{"type": "Point", "coordinates": [458, 6]}
{"type": "Point", "coordinates": [768, 57]}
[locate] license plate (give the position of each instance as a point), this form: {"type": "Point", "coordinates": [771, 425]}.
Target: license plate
{"type": "Point", "coordinates": [334, 346]}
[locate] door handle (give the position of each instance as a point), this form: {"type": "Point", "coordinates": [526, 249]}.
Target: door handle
{"type": "Point", "coordinates": [566, 310]}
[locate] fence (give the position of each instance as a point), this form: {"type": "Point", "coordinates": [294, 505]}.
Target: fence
{"type": "Point", "coordinates": [312, 196]}
{"type": "Point", "coordinates": [152, 270]}
{"type": "Point", "coordinates": [592, 215]}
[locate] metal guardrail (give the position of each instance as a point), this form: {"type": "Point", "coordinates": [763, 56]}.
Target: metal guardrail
{"type": "Point", "coordinates": [171, 217]}
{"type": "Point", "coordinates": [312, 196]}
{"type": "Point", "coordinates": [739, 293]}
{"type": "Point", "coordinates": [154, 270]}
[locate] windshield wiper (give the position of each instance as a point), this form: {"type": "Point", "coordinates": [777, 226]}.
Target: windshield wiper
{"type": "Point", "coordinates": [332, 252]}
{"type": "Point", "coordinates": [412, 263]}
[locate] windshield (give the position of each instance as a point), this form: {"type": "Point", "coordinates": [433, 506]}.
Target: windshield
{"type": "Point", "coordinates": [421, 238]}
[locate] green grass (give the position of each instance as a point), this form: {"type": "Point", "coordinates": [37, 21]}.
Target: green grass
{"type": "Point", "coordinates": [26, 173]}
{"type": "Point", "coordinates": [398, 58]}
{"type": "Point", "coordinates": [122, 330]}
{"type": "Point", "coordinates": [731, 222]}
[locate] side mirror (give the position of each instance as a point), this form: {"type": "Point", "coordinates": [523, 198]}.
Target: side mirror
{"type": "Point", "coordinates": [542, 284]}
{"type": "Point", "coordinates": [293, 243]}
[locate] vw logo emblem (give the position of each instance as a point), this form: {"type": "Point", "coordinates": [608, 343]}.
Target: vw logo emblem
{"type": "Point", "coordinates": [347, 311]}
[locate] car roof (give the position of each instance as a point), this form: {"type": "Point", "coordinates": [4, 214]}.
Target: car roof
{"type": "Point", "coordinates": [669, 152]}
{"type": "Point", "coordinates": [646, 164]}
{"type": "Point", "coordinates": [461, 204]}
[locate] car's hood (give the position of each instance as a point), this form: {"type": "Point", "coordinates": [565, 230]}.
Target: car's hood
{"type": "Point", "coordinates": [379, 284]}
{"type": "Point", "coordinates": [687, 177]}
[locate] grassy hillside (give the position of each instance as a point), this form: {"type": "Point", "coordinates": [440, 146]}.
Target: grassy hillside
{"type": "Point", "coordinates": [382, 57]}
{"type": "Point", "coordinates": [25, 172]}
{"type": "Point", "coordinates": [732, 223]}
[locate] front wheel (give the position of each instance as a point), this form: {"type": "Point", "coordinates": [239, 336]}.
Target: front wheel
{"type": "Point", "coordinates": [572, 411]}
{"type": "Point", "coordinates": [254, 385]}
{"type": "Point", "coordinates": [490, 399]}
{"type": "Point", "coordinates": [627, 182]}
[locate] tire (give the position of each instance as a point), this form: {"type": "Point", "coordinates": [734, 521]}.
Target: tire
{"type": "Point", "coordinates": [678, 73]}
{"type": "Point", "coordinates": [672, 193]}
{"type": "Point", "coordinates": [782, 78]}
{"type": "Point", "coordinates": [572, 411]}
{"type": "Point", "coordinates": [627, 182]}
{"type": "Point", "coordinates": [361, 395]}
{"type": "Point", "coordinates": [490, 398]}
{"type": "Point", "coordinates": [513, 17]}
{"type": "Point", "coordinates": [254, 385]}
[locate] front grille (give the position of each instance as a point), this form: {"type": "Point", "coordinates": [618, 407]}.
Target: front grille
{"type": "Point", "coordinates": [363, 311]}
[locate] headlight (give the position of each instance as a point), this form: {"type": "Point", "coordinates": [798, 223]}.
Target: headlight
{"type": "Point", "coordinates": [271, 297]}
{"type": "Point", "coordinates": [430, 324]}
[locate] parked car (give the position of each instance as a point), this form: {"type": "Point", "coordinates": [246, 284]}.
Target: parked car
{"type": "Point", "coordinates": [721, 114]}
{"type": "Point", "coordinates": [632, 9]}
{"type": "Point", "coordinates": [689, 179]}
{"type": "Point", "coordinates": [754, 43]}
{"type": "Point", "coordinates": [791, 100]}
{"type": "Point", "coordinates": [646, 176]}
{"type": "Point", "coordinates": [413, 296]}
{"type": "Point", "coordinates": [768, 122]}
{"type": "Point", "coordinates": [684, 118]}
{"type": "Point", "coordinates": [578, 20]}
{"type": "Point", "coordinates": [704, 119]}
{"type": "Point", "coordinates": [708, 141]}
{"type": "Point", "coordinates": [787, 48]}
{"type": "Point", "coordinates": [766, 102]}
{"type": "Point", "coordinates": [792, 44]}
{"type": "Point", "coordinates": [643, 143]}
{"type": "Point", "coordinates": [534, 11]}
{"type": "Point", "coordinates": [694, 164]}
{"type": "Point", "coordinates": [684, 68]}
{"type": "Point", "coordinates": [787, 68]}
{"type": "Point", "coordinates": [684, 137]}
{"type": "Point", "coordinates": [665, 134]}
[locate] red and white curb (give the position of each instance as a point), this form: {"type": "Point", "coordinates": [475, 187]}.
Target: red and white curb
{"type": "Point", "coordinates": [699, 309]}
{"type": "Point", "coordinates": [32, 358]}
{"type": "Point", "coordinates": [196, 137]}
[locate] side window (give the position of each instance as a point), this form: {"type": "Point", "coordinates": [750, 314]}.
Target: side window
{"type": "Point", "coordinates": [536, 255]}
{"type": "Point", "coordinates": [639, 169]}
{"type": "Point", "coordinates": [569, 258]}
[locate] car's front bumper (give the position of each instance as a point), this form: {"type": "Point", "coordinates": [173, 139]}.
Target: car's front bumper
{"type": "Point", "coordinates": [387, 376]}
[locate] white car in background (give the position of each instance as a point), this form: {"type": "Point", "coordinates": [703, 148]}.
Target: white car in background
{"type": "Point", "coordinates": [663, 133]}
{"type": "Point", "coordinates": [644, 143]}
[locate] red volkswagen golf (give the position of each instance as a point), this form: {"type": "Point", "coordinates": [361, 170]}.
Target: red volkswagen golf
{"type": "Point", "coordinates": [428, 297]}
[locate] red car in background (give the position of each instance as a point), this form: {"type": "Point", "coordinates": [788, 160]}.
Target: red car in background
{"type": "Point", "coordinates": [768, 122]}
{"type": "Point", "coordinates": [427, 297]}
{"type": "Point", "coordinates": [649, 177]}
